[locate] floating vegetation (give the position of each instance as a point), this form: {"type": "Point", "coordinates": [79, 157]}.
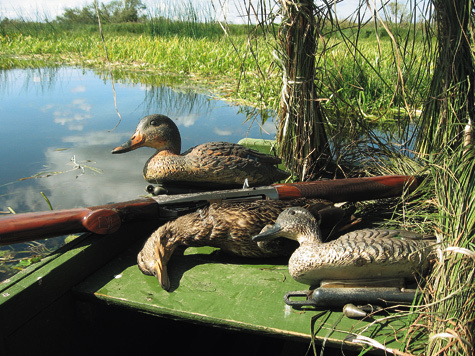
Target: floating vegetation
{"type": "Point", "coordinates": [77, 165]}
{"type": "Point", "coordinates": [18, 257]}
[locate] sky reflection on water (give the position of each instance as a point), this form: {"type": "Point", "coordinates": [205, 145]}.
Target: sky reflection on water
{"type": "Point", "coordinates": [54, 120]}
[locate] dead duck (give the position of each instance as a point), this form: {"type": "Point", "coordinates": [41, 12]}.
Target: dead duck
{"type": "Point", "coordinates": [362, 255]}
{"type": "Point", "coordinates": [216, 164]}
{"type": "Point", "coordinates": [230, 227]}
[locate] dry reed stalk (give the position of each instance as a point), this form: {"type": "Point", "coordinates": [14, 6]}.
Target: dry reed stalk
{"type": "Point", "coordinates": [301, 133]}
{"type": "Point", "coordinates": [446, 319]}
{"type": "Point", "coordinates": [451, 101]}
{"type": "Point", "coordinates": [444, 129]}
{"type": "Point", "coordinates": [451, 315]}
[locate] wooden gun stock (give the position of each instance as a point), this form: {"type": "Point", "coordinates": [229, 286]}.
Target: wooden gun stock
{"type": "Point", "coordinates": [102, 220]}
{"type": "Point", "coordinates": [22, 227]}
{"type": "Point", "coordinates": [351, 189]}
{"type": "Point", "coordinates": [106, 219]}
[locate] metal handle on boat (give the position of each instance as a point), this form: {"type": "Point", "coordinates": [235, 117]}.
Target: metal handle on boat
{"type": "Point", "coordinates": [337, 297]}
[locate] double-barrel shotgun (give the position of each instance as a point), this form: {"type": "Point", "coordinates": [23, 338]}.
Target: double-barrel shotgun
{"type": "Point", "coordinates": [107, 219]}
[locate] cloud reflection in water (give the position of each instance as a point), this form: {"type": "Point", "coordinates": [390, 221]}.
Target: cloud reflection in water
{"type": "Point", "coordinates": [70, 112]}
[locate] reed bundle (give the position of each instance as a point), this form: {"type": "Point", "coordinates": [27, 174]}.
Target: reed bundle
{"type": "Point", "coordinates": [450, 311]}
{"type": "Point", "coordinates": [445, 323]}
{"type": "Point", "coordinates": [301, 132]}
{"type": "Point", "coordinates": [451, 99]}
{"type": "Point", "coordinates": [444, 139]}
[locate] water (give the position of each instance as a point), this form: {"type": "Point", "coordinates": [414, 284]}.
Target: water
{"type": "Point", "coordinates": [59, 127]}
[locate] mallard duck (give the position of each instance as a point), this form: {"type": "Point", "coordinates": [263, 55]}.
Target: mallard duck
{"type": "Point", "coordinates": [230, 227]}
{"type": "Point", "coordinates": [216, 164]}
{"type": "Point", "coordinates": [367, 254]}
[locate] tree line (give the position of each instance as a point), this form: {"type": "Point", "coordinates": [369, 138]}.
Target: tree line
{"type": "Point", "coordinates": [116, 11]}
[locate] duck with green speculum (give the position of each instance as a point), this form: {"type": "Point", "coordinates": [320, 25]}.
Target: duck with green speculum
{"type": "Point", "coordinates": [230, 227]}
{"type": "Point", "coordinates": [215, 164]}
{"type": "Point", "coordinates": [358, 256]}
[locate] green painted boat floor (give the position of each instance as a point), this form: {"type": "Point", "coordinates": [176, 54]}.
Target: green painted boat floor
{"type": "Point", "coordinates": [216, 289]}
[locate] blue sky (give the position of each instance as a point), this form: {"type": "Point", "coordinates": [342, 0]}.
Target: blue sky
{"type": "Point", "coordinates": [39, 9]}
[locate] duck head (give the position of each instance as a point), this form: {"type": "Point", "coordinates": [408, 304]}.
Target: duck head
{"type": "Point", "coordinates": [294, 223]}
{"type": "Point", "coordinates": [156, 131]}
{"type": "Point", "coordinates": [154, 256]}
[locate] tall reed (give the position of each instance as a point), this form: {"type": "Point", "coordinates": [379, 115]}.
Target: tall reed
{"type": "Point", "coordinates": [301, 134]}
{"type": "Point", "coordinates": [183, 18]}
{"type": "Point", "coordinates": [446, 201]}
{"type": "Point", "coordinates": [444, 139]}
{"type": "Point", "coordinates": [451, 101]}
{"type": "Point", "coordinates": [450, 312]}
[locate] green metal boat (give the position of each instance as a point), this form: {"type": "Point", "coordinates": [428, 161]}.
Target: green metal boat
{"type": "Point", "coordinates": [90, 298]}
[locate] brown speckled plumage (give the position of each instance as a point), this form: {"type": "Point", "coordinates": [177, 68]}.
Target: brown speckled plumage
{"type": "Point", "coordinates": [213, 164]}
{"type": "Point", "coordinates": [361, 254]}
{"type": "Point", "coordinates": [228, 226]}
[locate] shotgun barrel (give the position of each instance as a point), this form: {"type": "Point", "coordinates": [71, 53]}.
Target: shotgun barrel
{"type": "Point", "coordinates": [106, 219]}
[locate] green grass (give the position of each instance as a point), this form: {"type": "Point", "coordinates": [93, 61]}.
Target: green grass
{"type": "Point", "coordinates": [235, 66]}
{"type": "Point", "coordinates": [210, 61]}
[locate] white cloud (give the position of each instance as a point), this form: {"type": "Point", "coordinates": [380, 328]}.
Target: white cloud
{"type": "Point", "coordinates": [187, 120]}
{"type": "Point", "coordinates": [269, 127]}
{"type": "Point", "coordinates": [82, 104]}
{"type": "Point", "coordinates": [233, 11]}
{"type": "Point", "coordinates": [97, 178]}
{"type": "Point", "coordinates": [71, 114]}
{"type": "Point", "coordinates": [70, 119]}
{"type": "Point", "coordinates": [97, 138]}
{"type": "Point", "coordinates": [79, 89]}
{"type": "Point", "coordinates": [38, 10]}
{"type": "Point", "coordinates": [222, 132]}
{"type": "Point", "coordinates": [75, 127]}
{"type": "Point", "coordinates": [60, 119]}
{"type": "Point", "coordinates": [47, 107]}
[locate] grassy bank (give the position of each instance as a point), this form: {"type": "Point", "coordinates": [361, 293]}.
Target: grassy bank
{"type": "Point", "coordinates": [215, 63]}
{"type": "Point", "coordinates": [234, 65]}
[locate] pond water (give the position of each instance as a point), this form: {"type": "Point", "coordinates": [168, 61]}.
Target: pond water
{"type": "Point", "coordinates": [59, 127]}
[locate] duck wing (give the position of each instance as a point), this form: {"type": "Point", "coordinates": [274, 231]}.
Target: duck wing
{"type": "Point", "coordinates": [227, 165]}
{"type": "Point", "coordinates": [218, 148]}
{"type": "Point", "coordinates": [378, 233]}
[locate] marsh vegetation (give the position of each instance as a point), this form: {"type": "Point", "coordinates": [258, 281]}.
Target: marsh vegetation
{"type": "Point", "coordinates": [395, 94]}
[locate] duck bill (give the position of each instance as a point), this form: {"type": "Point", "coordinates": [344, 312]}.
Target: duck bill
{"type": "Point", "coordinates": [162, 274]}
{"type": "Point", "coordinates": [136, 141]}
{"type": "Point", "coordinates": [269, 233]}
